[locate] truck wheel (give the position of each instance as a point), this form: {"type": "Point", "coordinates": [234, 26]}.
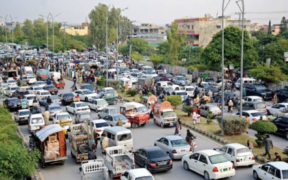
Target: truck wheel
{"type": "Point", "coordinates": [111, 175]}
{"type": "Point", "coordinates": [62, 162]}
{"type": "Point", "coordinates": [42, 162]}
{"type": "Point", "coordinates": [86, 99]}
{"type": "Point", "coordinates": [143, 124]}
{"type": "Point", "coordinates": [134, 125]}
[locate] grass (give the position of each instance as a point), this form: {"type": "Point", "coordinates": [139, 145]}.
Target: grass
{"type": "Point", "coordinates": [214, 128]}
{"type": "Point", "coordinates": [136, 98]}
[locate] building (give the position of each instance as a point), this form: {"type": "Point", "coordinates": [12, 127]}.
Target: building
{"type": "Point", "coordinates": [201, 30]}
{"type": "Point", "coordinates": [74, 30]}
{"type": "Point", "coordinates": [151, 33]}
{"type": "Point", "coordinates": [8, 25]}
{"type": "Point", "coordinates": [276, 29]}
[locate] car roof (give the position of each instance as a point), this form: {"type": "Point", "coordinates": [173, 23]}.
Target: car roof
{"type": "Point", "coordinates": [255, 97]}
{"type": "Point", "coordinates": [153, 148]}
{"type": "Point", "coordinates": [98, 121]}
{"type": "Point", "coordinates": [30, 95]}
{"type": "Point", "coordinates": [62, 113]}
{"type": "Point", "coordinates": [236, 145]}
{"type": "Point", "coordinates": [252, 111]}
{"type": "Point", "coordinates": [173, 137]}
{"type": "Point", "coordinates": [22, 110]}
{"type": "Point", "coordinates": [12, 98]}
{"type": "Point", "coordinates": [283, 104]}
{"type": "Point", "coordinates": [140, 172]}
{"type": "Point", "coordinates": [117, 129]}
{"type": "Point", "coordinates": [110, 107]}
{"type": "Point", "coordinates": [133, 104]}
{"type": "Point", "coordinates": [279, 165]}
{"type": "Point", "coordinates": [179, 91]}
{"type": "Point", "coordinates": [36, 115]}
{"type": "Point", "coordinates": [209, 152]}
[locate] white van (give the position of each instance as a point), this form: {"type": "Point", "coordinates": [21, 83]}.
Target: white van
{"type": "Point", "coordinates": [35, 122]}
{"type": "Point", "coordinates": [244, 80]}
{"type": "Point", "coordinates": [28, 70]}
{"type": "Point", "coordinates": [119, 136]}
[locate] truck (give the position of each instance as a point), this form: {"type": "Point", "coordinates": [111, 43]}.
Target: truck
{"type": "Point", "coordinates": [238, 154]}
{"type": "Point", "coordinates": [50, 141]}
{"type": "Point", "coordinates": [79, 142]}
{"type": "Point", "coordinates": [94, 169]}
{"type": "Point", "coordinates": [118, 160]}
{"type": "Point", "coordinates": [163, 114]}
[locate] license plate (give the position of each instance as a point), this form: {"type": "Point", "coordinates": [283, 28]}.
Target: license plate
{"type": "Point", "coordinates": [225, 169]}
{"type": "Point", "coordinates": [161, 163]}
{"type": "Point", "coordinates": [183, 151]}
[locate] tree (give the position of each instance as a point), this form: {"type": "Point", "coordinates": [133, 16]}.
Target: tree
{"type": "Point", "coordinates": [137, 57]}
{"type": "Point", "coordinates": [175, 100]}
{"type": "Point", "coordinates": [268, 74]}
{"type": "Point", "coordinates": [28, 30]}
{"type": "Point", "coordinates": [284, 26]}
{"type": "Point", "coordinates": [174, 42]}
{"type": "Point", "coordinates": [212, 53]}
{"type": "Point", "coordinates": [263, 127]}
{"type": "Point", "coordinates": [125, 27]}
{"type": "Point", "coordinates": [269, 28]}
{"type": "Point", "coordinates": [156, 59]}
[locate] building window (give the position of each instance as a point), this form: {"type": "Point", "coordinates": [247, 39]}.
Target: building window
{"type": "Point", "coordinates": [192, 26]}
{"type": "Point", "coordinates": [218, 26]}
{"type": "Point", "coordinates": [188, 26]}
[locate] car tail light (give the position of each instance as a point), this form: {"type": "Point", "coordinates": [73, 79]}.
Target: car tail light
{"type": "Point", "coordinates": [253, 158]}
{"type": "Point", "coordinates": [152, 164]}
{"type": "Point", "coordinates": [78, 109]}
{"type": "Point", "coordinates": [174, 151]}
{"type": "Point", "coordinates": [170, 162]}
{"type": "Point", "coordinates": [215, 169]}
{"type": "Point", "coordinates": [190, 149]}
{"type": "Point", "coordinates": [98, 130]}
{"type": "Point", "coordinates": [232, 166]}
{"type": "Point", "coordinates": [237, 160]}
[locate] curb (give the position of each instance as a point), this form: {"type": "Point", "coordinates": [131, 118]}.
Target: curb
{"type": "Point", "coordinates": [220, 140]}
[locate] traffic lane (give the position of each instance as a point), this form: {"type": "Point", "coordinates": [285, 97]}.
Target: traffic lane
{"type": "Point", "coordinates": [146, 136]}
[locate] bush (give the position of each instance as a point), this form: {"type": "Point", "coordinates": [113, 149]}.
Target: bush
{"type": "Point", "coordinates": [233, 125]}
{"type": "Point", "coordinates": [114, 83]}
{"type": "Point", "coordinates": [31, 61]}
{"type": "Point", "coordinates": [175, 100]}
{"type": "Point", "coordinates": [187, 109]}
{"type": "Point", "coordinates": [132, 92]}
{"type": "Point", "coordinates": [101, 81]}
{"type": "Point", "coordinates": [262, 127]}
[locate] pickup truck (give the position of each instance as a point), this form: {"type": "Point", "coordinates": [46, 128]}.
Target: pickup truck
{"type": "Point", "coordinates": [118, 160]}
{"type": "Point", "coordinates": [94, 169]}
{"type": "Point", "coordinates": [238, 154]}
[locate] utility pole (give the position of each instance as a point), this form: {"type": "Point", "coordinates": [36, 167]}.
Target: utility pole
{"type": "Point", "coordinates": [107, 44]}
{"type": "Point", "coordinates": [64, 41]}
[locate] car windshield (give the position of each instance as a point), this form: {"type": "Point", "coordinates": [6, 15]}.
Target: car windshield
{"type": "Point", "coordinates": [156, 154]}
{"type": "Point", "coordinates": [15, 88]}
{"type": "Point", "coordinates": [169, 114]}
{"type": "Point", "coordinates": [36, 120]}
{"type": "Point", "coordinates": [65, 116]}
{"type": "Point", "coordinates": [11, 81]}
{"type": "Point", "coordinates": [242, 150]}
{"type": "Point", "coordinates": [257, 114]}
{"type": "Point", "coordinates": [110, 90]}
{"type": "Point", "coordinates": [179, 143]}
{"type": "Point", "coordinates": [55, 108]}
{"type": "Point", "coordinates": [54, 98]}
{"type": "Point", "coordinates": [38, 88]}
{"type": "Point", "coordinates": [81, 105]}
{"type": "Point", "coordinates": [102, 124]}
{"type": "Point", "coordinates": [31, 77]}
{"type": "Point", "coordinates": [40, 82]}
{"type": "Point", "coordinates": [189, 89]}
{"type": "Point", "coordinates": [88, 92]}
{"type": "Point", "coordinates": [216, 159]}
{"type": "Point", "coordinates": [14, 101]}
{"type": "Point", "coordinates": [260, 87]}
{"type": "Point", "coordinates": [181, 78]}
{"type": "Point", "coordinates": [87, 87]}
{"type": "Point", "coordinates": [181, 93]}
{"type": "Point", "coordinates": [101, 102]}
{"type": "Point", "coordinates": [285, 174]}
{"type": "Point", "coordinates": [145, 178]}
{"type": "Point", "coordinates": [68, 95]}
{"type": "Point", "coordinates": [30, 97]}
{"type": "Point", "coordinates": [50, 87]}
{"type": "Point", "coordinates": [123, 118]}
{"type": "Point", "coordinates": [261, 106]}
{"type": "Point", "coordinates": [168, 75]}
{"type": "Point", "coordinates": [24, 113]}
{"type": "Point", "coordinates": [124, 137]}
{"type": "Point", "coordinates": [141, 109]}
{"type": "Point", "coordinates": [45, 93]}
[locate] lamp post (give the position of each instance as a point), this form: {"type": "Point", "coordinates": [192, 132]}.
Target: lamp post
{"type": "Point", "coordinates": [107, 44]}
{"type": "Point", "coordinates": [117, 40]}
{"type": "Point", "coordinates": [47, 43]}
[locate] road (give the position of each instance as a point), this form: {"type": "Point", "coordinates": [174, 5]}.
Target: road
{"type": "Point", "coordinates": [142, 137]}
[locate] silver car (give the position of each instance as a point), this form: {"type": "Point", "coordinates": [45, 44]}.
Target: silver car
{"type": "Point", "coordinates": [174, 145]}
{"type": "Point", "coordinates": [205, 109]}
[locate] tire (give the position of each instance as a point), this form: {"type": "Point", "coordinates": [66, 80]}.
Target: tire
{"type": "Point", "coordinates": [162, 125]}
{"type": "Point", "coordinates": [185, 166]}
{"type": "Point", "coordinates": [268, 113]}
{"type": "Point", "coordinates": [99, 116]}
{"type": "Point", "coordinates": [133, 125]}
{"type": "Point", "coordinates": [255, 175]}
{"type": "Point", "coordinates": [111, 175]}
{"type": "Point", "coordinates": [83, 148]}
{"type": "Point", "coordinates": [42, 162]}
{"type": "Point", "coordinates": [206, 176]}
{"type": "Point", "coordinates": [62, 162]}
{"type": "Point", "coordinates": [86, 99]}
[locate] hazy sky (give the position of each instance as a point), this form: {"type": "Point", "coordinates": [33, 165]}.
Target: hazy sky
{"type": "Point", "coordinates": [158, 12]}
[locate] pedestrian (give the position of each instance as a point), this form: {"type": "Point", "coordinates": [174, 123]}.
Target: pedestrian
{"type": "Point", "coordinates": [220, 102]}
{"type": "Point", "coordinates": [74, 81]}
{"type": "Point", "coordinates": [248, 123]}
{"type": "Point", "coordinates": [232, 86]}
{"type": "Point", "coordinates": [194, 118]}
{"type": "Point", "coordinates": [277, 157]}
{"type": "Point", "coordinates": [268, 144]}
{"type": "Point", "coordinates": [178, 127]}
{"type": "Point", "coordinates": [96, 136]}
{"type": "Point", "coordinates": [210, 94]}
{"type": "Point", "coordinates": [275, 99]}
{"type": "Point", "coordinates": [119, 122]}
{"type": "Point", "coordinates": [46, 117]}
{"type": "Point", "coordinates": [92, 154]}
{"type": "Point", "coordinates": [230, 106]}
{"type": "Point", "coordinates": [105, 143]}
{"type": "Point", "coordinates": [249, 145]}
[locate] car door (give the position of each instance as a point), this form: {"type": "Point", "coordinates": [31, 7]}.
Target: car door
{"type": "Point", "coordinates": [165, 145]}
{"type": "Point", "coordinates": [272, 173]}
{"type": "Point", "coordinates": [203, 164]}
{"type": "Point", "coordinates": [263, 172]}
{"type": "Point", "coordinates": [194, 161]}
{"type": "Point", "coordinates": [109, 119]}
{"type": "Point", "coordinates": [274, 109]}
{"type": "Point", "coordinates": [70, 108]}
{"type": "Point", "coordinates": [230, 155]}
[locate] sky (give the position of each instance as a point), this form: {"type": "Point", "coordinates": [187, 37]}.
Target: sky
{"type": "Point", "coordinates": [159, 12]}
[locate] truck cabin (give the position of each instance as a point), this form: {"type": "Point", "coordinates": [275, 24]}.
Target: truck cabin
{"type": "Point", "coordinates": [128, 110]}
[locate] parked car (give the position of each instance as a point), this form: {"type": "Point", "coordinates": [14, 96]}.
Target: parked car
{"type": "Point", "coordinates": [12, 103]}
{"type": "Point", "coordinates": [205, 109]}
{"type": "Point", "coordinates": [108, 111]}
{"type": "Point", "coordinates": [253, 99]}
{"type": "Point", "coordinates": [154, 159]}
{"type": "Point", "coordinates": [22, 116]}
{"type": "Point", "coordinates": [258, 90]}
{"type": "Point", "coordinates": [282, 126]}
{"type": "Point", "coordinates": [112, 119]}
{"type": "Point", "coordinates": [174, 145]}
{"type": "Point", "coordinates": [253, 115]}
{"type": "Point", "coordinates": [77, 107]}
{"type": "Point", "coordinates": [82, 117]}
{"type": "Point", "coordinates": [67, 98]}
{"type": "Point", "coordinates": [282, 95]}
{"type": "Point", "coordinates": [259, 106]}
{"type": "Point", "coordinates": [209, 163]}
{"type": "Point", "coordinates": [271, 170]}
{"type": "Point", "coordinates": [97, 104]}
{"type": "Point", "coordinates": [277, 109]}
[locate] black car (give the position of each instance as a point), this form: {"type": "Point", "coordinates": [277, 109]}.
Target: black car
{"type": "Point", "coordinates": [154, 159]}
{"type": "Point", "coordinates": [20, 93]}
{"type": "Point", "coordinates": [258, 90]}
{"type": "Point", "coordinates": [282, 95]}
{"type": "Point", "coordinates": [12, 103]}
{"type": "Point", "coordinates": [67, 98]}
{"type": "Point", "coordinates": [88, 86]}
{"type": "Point", "coordinates": [282, 126]}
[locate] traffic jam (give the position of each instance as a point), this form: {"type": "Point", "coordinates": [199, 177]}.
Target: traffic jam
{"type": "Point", "coordinates": [96, 125]}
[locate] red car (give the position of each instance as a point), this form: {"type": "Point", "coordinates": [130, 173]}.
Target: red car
{"type": "Point", "coordinates": [51, 88]}
{"type": "Point", "coordinates": [167, 77]}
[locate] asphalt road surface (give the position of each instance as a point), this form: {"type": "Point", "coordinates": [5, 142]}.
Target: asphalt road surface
{"type": "Point", "coordinates": [142, 137]}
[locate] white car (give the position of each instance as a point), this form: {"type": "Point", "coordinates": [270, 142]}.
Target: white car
{"type": "Point", "coordinates": [238, 154]}
{"type": "Point", "coordinates": [150, 74]}
{"type": "Point", "coordinates": [109, 90]}
{"type": "Point", "coordinates": [253, 99]}
{"type": "Point", "coordinates": [40, 84]}
{"type": "Point", "coordinates": [97, 104]}
{"type": "Point", "coordinates": [22, 116]}
{"type": "Point", "coordinates": [3, 87]}
{"type": "Point", "coordinates": [35, 122]}
{"type": "Point", "coordinates": [113, 119]}
{"type": "Point", "coordinates": [61, 115]}
{"type": "Point", "coordinates": [132, 79]}
{"type": "Point", "coordinates": [271, 170]}
{"type": "Point", "coordinates": [108, 111]}
{"type": "Point", "coordinates": [181, 93]}
{"type": "Point", "coordinates": [277, 109]}
{"type": "Point", "coordinates": [189, 90]}
{"type": "Point", "coordinates": [11, 82]}
{"type": "Point", "coordinates": [167, 83]}
{"type": "Point", "coordinates": [35, 89]}
{"type": "Point", "coordinates": [137, 174]}
{"type": "Point", "coordinates": [99, 125]}
{"type": "Point", "coordinates": [253, 115]}
{"type": "Point", "coordinates": [10, 90]}
{"type": "Point", "coordinates": [29, 79]}
{"type": "Point", "coordinates": [30, 98]}
{"type": "Point", "coordinates": [42, 93]}
{"type": "Point", "coordinates": [77, 107]}
{"type": "Point", "coordinates": [85, 94]}
{"type": "Point", "coordinates": [209, 163]}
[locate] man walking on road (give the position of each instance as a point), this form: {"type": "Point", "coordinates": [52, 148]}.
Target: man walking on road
{"type": "Point", "coordinates": [268, 144]}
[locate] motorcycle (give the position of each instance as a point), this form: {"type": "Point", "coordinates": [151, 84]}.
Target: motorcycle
{"type": "Point", "coordinates": [191, 142]}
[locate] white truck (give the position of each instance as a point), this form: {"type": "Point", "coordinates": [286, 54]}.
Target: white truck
{"type": "Point", "coordinates": [94, 169]}
{"type": "Point", "coordinates": [238, 154]}
{"type": "Point", "coordinates": [164, 114]}
{"type": "Point", "coordinates": [118, 160]}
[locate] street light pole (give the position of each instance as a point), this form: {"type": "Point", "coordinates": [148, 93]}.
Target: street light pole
{"type": "Point", "coordinates": [47, 31]}
{"type": "Point", "coordinates": [107, 44]}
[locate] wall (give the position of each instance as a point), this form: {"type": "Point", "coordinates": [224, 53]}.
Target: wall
{"type": "Point", "coordinates": [81, 32]}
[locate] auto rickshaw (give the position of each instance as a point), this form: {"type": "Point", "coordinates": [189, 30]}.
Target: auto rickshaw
{"type": "Point", "coordinates": [65, 124]}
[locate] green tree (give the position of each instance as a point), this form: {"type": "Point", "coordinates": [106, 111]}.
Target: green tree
{"type": "Point", "coordinates": [138, 46]}
{"type": "Point", "coordinates": [283, 25]}
{"type": "Point", "coordinates": [268, 74]}
{"type": "Point", "coordinates": [174, 42]}
{"type": "Point", "coordinates": [269, 28]}
{"type": "Point", "coordinates": [28, 30]}
{"type": "Point", "coordinates": [156, 59]}
{"type": "Point", "coordinates": [125, 27]}
{"type": "Point", "coordinates": [137, 57]}
{"type": "Point", "coordinates": [212, 53]}
{"type": "Point", "coordinates": [175, 100]}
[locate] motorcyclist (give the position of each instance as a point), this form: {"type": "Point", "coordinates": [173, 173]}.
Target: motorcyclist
{"type": "Point", "coordinates": [190, 136]}
{"type": "Point", "coordinates": [49, 101]}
